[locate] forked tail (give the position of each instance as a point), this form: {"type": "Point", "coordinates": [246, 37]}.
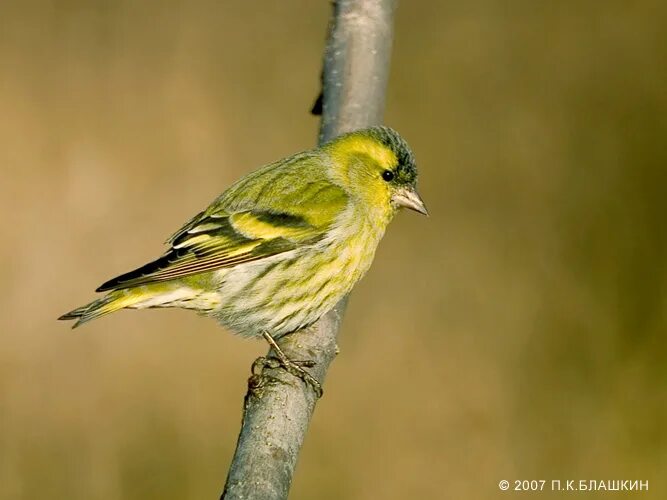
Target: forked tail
{"type": "Point", "coordinates": [168, 294]}
{"type": "Point", "coordinates": [118, 299]}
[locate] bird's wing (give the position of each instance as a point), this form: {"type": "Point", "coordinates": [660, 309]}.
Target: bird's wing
{"type": "Point", "coordinates": [297, 185]}
{"type": "Point", "coordinates": [221, 238]}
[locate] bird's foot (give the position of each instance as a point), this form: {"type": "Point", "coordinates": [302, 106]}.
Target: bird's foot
{"type": "Point", "coordinates": [294, 367]}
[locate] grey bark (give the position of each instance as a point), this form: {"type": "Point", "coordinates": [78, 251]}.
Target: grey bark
{"type": "Point", "coordinates": [278, 407]}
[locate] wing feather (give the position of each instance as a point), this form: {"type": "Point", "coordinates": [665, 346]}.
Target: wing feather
{"type": "Point", "coordinates": [249, 222]}
{"type": "Point", "coordinates": [221, 245]}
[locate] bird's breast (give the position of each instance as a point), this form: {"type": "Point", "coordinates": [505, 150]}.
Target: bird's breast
{"type": "Point", "coordinates": [291, 290]}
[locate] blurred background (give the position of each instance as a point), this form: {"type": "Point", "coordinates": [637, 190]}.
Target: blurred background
{"type": "Point", "coordinates": [517, 333]}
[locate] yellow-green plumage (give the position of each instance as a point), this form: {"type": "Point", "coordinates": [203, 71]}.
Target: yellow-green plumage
{"type": "Point", "coordinates": [281, 246]}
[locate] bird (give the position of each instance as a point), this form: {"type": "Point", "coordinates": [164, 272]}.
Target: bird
{"type": "Point", "coordinates": [280, 247]}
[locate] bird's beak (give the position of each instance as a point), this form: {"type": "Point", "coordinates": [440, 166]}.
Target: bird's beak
{"type": "Point", "coordinates": [409, 198]}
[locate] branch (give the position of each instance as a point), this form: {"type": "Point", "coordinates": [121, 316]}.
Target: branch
{"type": "Point", "coordinates": [278, 407]}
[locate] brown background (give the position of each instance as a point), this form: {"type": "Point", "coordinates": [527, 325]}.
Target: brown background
{"type": "Point", "coordinates": [517, 333]}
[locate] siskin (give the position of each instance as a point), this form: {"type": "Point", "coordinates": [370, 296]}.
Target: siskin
{"type": "Point", "coordinates": [283, 245]}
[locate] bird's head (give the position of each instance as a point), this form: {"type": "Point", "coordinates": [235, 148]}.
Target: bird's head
{"type": "Point", "coordinates": [377, 166]}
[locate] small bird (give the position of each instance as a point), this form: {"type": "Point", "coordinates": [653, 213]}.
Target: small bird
{"type": "Point", "coordinates": [282, 245]}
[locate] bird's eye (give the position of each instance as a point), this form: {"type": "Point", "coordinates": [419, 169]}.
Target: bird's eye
{"type": "Point", "coordinates": [388, 175]}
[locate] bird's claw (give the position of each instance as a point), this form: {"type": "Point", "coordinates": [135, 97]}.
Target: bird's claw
{"type": "Point", "coordinates": [293, 367]}
{"type": "Point", "coordinates": [296, 369]}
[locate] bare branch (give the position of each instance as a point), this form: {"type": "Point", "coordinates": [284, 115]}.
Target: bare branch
{"type": "Point", "coordinates": [278, 407]}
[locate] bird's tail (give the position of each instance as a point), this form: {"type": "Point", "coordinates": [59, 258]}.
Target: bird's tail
{"type": "Point", "coordinates": [118, 299]}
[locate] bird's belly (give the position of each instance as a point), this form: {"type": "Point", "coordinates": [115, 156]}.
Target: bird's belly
{"type": "Point", "coordinates": [290, 291]}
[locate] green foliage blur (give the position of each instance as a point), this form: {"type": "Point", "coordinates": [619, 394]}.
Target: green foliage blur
{"type": "Point", "coordinates": [517, 333]}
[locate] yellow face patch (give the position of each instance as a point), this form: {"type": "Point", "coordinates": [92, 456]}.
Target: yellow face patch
{"type": "Point", "coordinates": [359, 161]}
{"type": "Point", "coordinates": [360, 145]}
{"type": "Point", "coordinates": [346, 152]}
